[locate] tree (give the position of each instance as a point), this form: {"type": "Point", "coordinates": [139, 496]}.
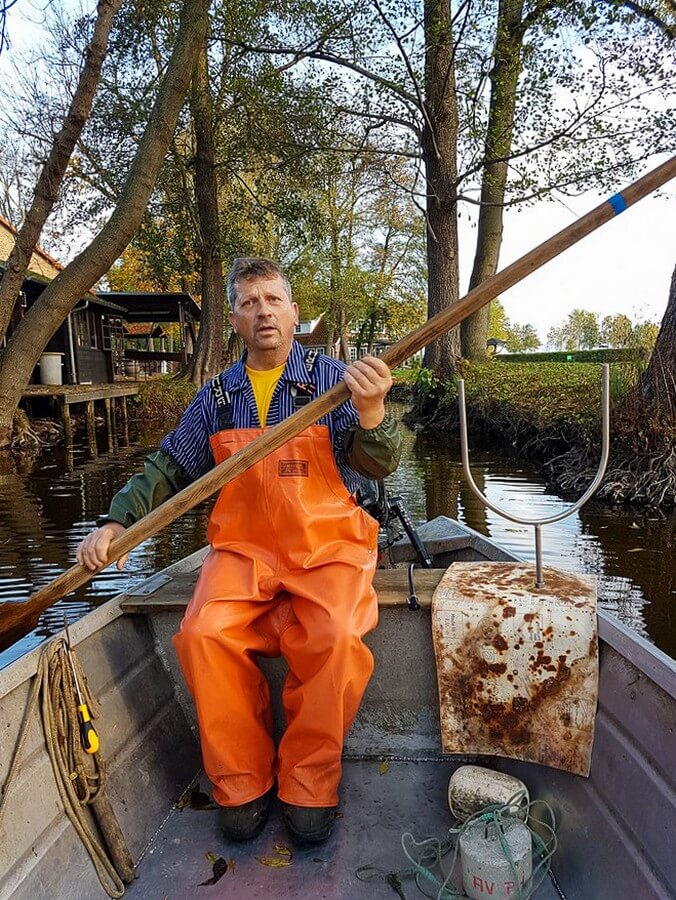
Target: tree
{"type": "Point", "coordinates": [656, 388]}
{"type": "Point", "coordinates": [206, 359]}
{"type": "Point", "coordinates": [522, 337]}
{"type": "Point", "coordinates": [644, 335]}
{"type": "Point", "coordinates": [504, 77]}
{"type": "Point", "coordinates": [616, 330]}
{"type": "Point", "coordinates": [45, 316]}
{"type": "Point", "coordinates": [566, 72]}
{"type": "Point", "coordinates": [498, 321]}
{"type": "Point", "coordinates": [579, 331]}
{"type": "Point", "coordinates": [51, 176]}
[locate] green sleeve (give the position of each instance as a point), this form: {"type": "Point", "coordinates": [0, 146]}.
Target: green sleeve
{"type": "Point", "coordinates": [374, 452]}
{"type": "Point", "coordinates": [161, 478]}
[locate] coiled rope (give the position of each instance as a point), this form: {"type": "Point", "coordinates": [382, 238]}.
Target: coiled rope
{"type": "Point", "coordinates": [426, 855]}
{"type": "Point", "coordinates": [79, 777]}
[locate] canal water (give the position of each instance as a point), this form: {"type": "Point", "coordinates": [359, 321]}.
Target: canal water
{"type": "Point", "coordinates": [47, 510]}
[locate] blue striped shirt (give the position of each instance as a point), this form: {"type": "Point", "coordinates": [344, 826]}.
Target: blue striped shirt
{"type": "Point", "coordinates": [189, 445]}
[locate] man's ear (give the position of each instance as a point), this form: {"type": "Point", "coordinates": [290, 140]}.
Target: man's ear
{"type": "Point", "coordinates": [231, 319]}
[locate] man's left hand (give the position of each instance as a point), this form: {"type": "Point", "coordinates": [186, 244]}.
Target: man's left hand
{"type": "Point", "coordinates": [369, 379]}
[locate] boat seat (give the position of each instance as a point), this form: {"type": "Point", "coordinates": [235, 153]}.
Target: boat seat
{"type": "Point", "coordinates": [168, 593]}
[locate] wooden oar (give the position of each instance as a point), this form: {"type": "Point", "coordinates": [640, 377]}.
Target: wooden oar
{"type": "Point", "coordinates": [16, 618]}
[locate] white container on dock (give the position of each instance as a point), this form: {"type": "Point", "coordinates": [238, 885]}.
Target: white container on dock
{"type": "Point", "coordinates": [50, 368]}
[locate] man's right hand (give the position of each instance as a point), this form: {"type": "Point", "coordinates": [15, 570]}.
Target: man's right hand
{"type": "Point", "coordinates": [93, 551]}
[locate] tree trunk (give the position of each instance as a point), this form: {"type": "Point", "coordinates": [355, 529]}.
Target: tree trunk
{"type": "Point", "coordinates": [51, 176]}
{"type": "Point", "coordinates": [46, 315]}
{"type": "Point", "coordinates": [439, 146]}
{"type": "Point", "coordinates": [504, 79]}
{"type": "Point", "coordinates": [655, 392]}
{"type": "Point", "coordinates": [343, 348]}
{"type": "Point", "coordinates": [206, 360]}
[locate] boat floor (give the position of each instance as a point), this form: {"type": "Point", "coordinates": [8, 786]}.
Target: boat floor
{"type": "Point", "coordinates": [375, 809]}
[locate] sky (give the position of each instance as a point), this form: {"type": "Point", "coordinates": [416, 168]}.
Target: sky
{"type": "Point", "coordinates": [623, 267]}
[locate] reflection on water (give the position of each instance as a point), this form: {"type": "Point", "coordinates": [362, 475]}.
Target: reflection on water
{"type": "Point", "coordinates": [44, 514]}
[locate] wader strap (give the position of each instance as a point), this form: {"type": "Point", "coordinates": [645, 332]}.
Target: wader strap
{"type": "Point", "coordinates": [223, 408]}
{"type": "Point", "coordinates": [303, 393]}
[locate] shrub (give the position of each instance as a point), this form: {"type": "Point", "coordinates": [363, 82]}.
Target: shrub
{"type": "Point", "coordinates": [163, 399]}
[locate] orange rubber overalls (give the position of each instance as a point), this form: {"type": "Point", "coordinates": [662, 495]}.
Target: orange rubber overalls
{"type": "Point", "coordinates": [289, 572]}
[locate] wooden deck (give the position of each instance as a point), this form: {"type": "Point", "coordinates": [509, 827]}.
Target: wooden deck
{"type": "Point", "coordinates": [82, 393]}
{"type": "Point", "coordinates": [67, 395]}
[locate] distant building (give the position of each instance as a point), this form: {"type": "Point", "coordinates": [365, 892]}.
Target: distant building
{"type": "Point", "coordinates": [90, 340]}
{"type": "Point", "coordinates": [101, 340]}
{"type": "Point", "coordinates": [313, 334]}
{"type": "Point", "coordinates": [150, 348]}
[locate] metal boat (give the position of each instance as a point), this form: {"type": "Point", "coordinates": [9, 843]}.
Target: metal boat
{"type": "Point", "coordinates": [615, 828]}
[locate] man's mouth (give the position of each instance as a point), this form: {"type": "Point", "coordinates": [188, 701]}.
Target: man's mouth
{"type": "Point", "coordinates": [266, 329]}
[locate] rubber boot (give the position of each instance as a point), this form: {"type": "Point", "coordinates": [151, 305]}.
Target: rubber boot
{"type": "Point", "coordinates": [309, 824]}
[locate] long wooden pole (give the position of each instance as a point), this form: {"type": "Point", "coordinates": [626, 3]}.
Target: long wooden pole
{"type": "Point", "coordinates": [14, 616]}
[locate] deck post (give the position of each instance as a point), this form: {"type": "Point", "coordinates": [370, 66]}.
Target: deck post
{"type": "Point", "coordinates": [125, 420]}
{"type": "Point", "coordinates": [113, 416]}
{"type": "Point", "coordinates": [67, 423]}
{"type": "Point", "coordinates": [183, 348]}
{"type": "Point", "coordinates": [91, 430]}
{"type": "Point", "coordinates": [109, 424]}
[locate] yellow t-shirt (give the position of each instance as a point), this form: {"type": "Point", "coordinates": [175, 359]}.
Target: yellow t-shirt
{"type": "Point", "coordinates": [264, 382]}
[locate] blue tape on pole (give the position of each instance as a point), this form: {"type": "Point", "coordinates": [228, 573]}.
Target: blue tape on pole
{"type": "Point", "coordinates": [618, 203]}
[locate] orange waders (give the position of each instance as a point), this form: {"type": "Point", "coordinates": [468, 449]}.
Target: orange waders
{"type": "Point", "coordinates": [289, 572]}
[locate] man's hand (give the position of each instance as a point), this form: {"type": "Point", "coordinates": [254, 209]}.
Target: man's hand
{"type": "Point", "coordinates": [93, 551]}
{"type": "Point", "coordinates": [369, 379]}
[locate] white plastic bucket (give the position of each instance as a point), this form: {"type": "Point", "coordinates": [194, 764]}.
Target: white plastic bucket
{"type": "Point", "coordinates": [50, 368]}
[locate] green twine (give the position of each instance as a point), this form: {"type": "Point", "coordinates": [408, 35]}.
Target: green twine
{"type": "Point", "coordinates": [427, 855]}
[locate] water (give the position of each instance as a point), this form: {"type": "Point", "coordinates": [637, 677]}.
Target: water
{"type": "Point", "coordinates": [45, 513]}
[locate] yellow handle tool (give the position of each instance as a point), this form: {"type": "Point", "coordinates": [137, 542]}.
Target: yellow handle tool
{"type": "Point", "coordinates": [90, 739]}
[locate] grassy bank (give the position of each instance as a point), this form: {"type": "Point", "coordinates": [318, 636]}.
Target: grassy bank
{"type": "Point", "coordinates": [551, 412]}
{"type": "Point", "coordinates": [528, 408]}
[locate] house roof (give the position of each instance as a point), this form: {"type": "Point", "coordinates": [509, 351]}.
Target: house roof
{"type": "Point", "coordinates": [153, 306]}
{"type": "Point", "coordinates": [315, 338]}
{"type": "Point", "coordinates": [42, 268]}
{"type": "Point", "coordinates": [143, 329]}
{"type": "Point", "coordinates": [105, 304]}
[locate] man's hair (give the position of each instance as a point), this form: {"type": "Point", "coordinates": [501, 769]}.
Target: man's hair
{"type": "Point", "coordinates": [246, 268]}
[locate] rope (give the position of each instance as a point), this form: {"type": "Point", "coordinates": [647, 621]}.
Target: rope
{"type": "Point", "coordinates": [427, 854]}
{"type": "Point", "coordinates": [79, 777]}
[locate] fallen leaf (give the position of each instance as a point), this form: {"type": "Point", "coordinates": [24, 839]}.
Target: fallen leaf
{"type": "Point", "coordinates": [636, 550]}
{"type": "Point", "coordinates": [384, 766]}
{"type": "Point", "coordinates": [219, 867]}
{"type": "Point", "coordinates": [634, 525]}
{"type": "Point", "coordinates": [274, 862]}
{"type": "Point", "coordinates": [284, 858]}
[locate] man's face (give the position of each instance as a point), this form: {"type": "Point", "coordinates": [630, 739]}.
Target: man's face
{"type": "Point", "coordinates": [264, 316]}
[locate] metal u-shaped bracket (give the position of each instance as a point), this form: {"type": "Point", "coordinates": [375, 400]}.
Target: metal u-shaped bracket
{"type": "Point", "coordinates": [538, 523]}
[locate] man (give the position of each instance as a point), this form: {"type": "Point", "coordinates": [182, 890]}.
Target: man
{"type": "Point", "coordinates": [291, 563]}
